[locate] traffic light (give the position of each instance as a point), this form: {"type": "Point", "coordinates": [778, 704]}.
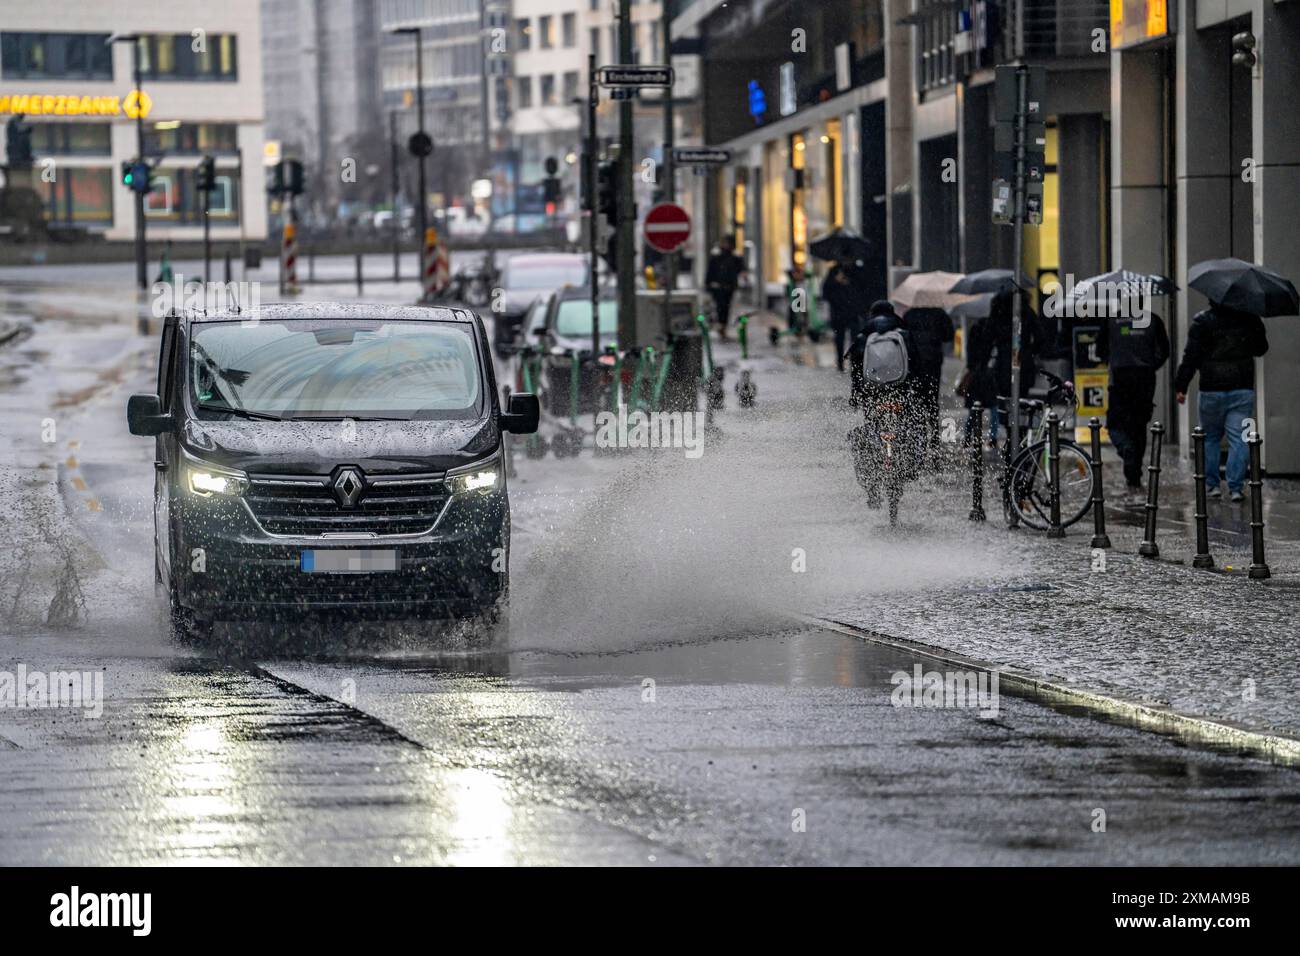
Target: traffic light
{"type": "Point", "coordinates": [294, 177]}
{"type": "Point", "coordinates": [206, 175]}
{"type": "Point", "coordinates": [276, 184]}
{"type": "Point", "coordinates": [1243, 49]}
{"type": "Point", "coordinates": [136, 176]}
{"type": "Point", "coordinates": [551, 189]}
{"type": "Point", "coordinates": [607, 191]}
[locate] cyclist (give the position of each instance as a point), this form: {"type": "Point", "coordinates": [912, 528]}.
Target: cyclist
{"type": "Point", "coordinates": [887, 448]}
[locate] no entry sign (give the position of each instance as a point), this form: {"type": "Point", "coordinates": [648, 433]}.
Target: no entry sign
{"type": "Point", "coordinates": [667, 227]}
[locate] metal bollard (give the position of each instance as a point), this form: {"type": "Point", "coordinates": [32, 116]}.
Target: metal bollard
{"type": "Point", "coordinates": [977, 465]}
{"type": "Point", "coordinates": [1203, 557]}
{"type": "Point", "coordinates": [227, 267]}
{"type": "Point", "coordinates": [1258, 566]}
{"type": "Point", "coordinates": [1148, 548]}
{"type": "Point", "coordinates": [1054, 529]}
{"type": "Point", "coordinates": [1100, 539]}
{"type": "Point", "coordinates": [360, 283]}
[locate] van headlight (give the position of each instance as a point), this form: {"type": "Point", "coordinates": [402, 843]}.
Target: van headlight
{"type": "Point", "coordinates": [206, 480]}
{"type": "Point", "coordinates": [484, 477]}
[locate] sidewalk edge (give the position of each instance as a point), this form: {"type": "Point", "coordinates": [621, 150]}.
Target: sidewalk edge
{"type": "Point", "coordinates": [1204, 731]}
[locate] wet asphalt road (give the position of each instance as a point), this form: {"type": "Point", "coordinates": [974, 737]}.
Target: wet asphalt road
{"type": "Point", "coordinates": [741, 739]}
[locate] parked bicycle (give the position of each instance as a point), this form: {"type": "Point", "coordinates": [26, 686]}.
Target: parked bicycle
{"type": "Point", "coordinates": [1028, 492]}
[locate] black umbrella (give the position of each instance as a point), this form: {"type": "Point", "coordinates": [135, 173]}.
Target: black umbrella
{"type": "Point", "coordinates": [840, 244]}
{"type": "Point", "coordinates": [991, 280]}
{"type": "Point", "coordinates": [1244, 286]}
{"type": "Point", "coordinates": [1122, 290]}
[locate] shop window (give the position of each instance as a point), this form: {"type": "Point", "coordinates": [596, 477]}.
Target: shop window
{"type": "Point", "coordinates": [71, 139]}
{"type": "Point", "coordinates": [78, 196]}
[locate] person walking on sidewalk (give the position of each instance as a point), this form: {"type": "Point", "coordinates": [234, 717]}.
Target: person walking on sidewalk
{"type": "Point", "coordinates": [844, 289]}
{"type": "Point", "coordinates": [1135, 349]}
{"type": "Point", "coordinates": [1222, 345]}
{"type": "Point", "coordinates": [722, 278]}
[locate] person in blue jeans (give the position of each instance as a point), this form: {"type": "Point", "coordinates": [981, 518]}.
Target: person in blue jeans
{"type": "Point", "coordinates": [1222, 345]}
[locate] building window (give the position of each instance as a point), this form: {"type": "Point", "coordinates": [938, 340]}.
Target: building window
{"type": "Point", "coordinates": [175, 200]}
{"type": "Point", "coordinates": [523, 34]}
{"type": "Point", "coordinates": [524, 85]}
{"type": "Point", "coordinates": [546, 29]}
{"type": "Point", "coordinates": [548, 90]}
{"type": "Point", "coordinates": [569, 29]}
{"type": "Point", "coordinates": [191, 139]}
{"type": "Point", "coordinates": [78, 197]}
{"type": "Point", "coordinates": [595, 43]}
{"type": "Point", "coordinates": [172, 56]}
{"type": "Point", "coordinates": [59, 56]}
{"type": "Point", "coordinates": [71, 139]}
{"type": "Point", "coordinates": [570, 86]}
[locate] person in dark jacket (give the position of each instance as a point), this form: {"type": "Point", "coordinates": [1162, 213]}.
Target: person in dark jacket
{"type": "Point", "coordinates": [988, 358]}
{"type": "Point", "coordinates": [1222, 345]}
{"type": "Point", "coordinates": [1135, 350]}
{"type": "Point", "coordinates": [722, 278]}
{"type": "Point", "coordinates": [873, 397]}
{"type": "Point", "coordinates": [931, 330]}
{"type": "Point", "coordinates": [844, 289]}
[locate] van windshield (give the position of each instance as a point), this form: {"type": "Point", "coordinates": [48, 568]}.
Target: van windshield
{"type": "Point", "coordinates": [334, 368]}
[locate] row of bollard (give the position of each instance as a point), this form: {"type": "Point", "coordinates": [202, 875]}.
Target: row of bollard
{"type": "Point", "coordinates": [1258, 570]}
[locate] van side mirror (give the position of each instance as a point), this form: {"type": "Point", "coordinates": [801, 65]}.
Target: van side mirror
{"type": "Point", "coordinates": [522, 414]}
{"type": "Point", "coordinates": [144, 415]}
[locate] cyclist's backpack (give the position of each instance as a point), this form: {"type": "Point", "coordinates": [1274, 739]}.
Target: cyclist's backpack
{"type": "Point", "coordinates": [884, 361]}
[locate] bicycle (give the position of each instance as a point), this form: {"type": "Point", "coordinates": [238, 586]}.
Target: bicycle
{"type": "Point", "coordinates": [884, 440]}
{"type": "Point", "coordinates": [1027, 494]}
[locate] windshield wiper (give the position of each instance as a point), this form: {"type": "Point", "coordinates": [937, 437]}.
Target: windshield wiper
{"type": "Point", "coordinates": [241, 412]}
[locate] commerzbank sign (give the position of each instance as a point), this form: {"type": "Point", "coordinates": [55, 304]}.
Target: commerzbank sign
{"type": "Point", "coordinates": [135, 104]}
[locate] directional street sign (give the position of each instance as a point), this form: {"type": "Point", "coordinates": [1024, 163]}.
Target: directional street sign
{"type": "Point", "coordinates": [667, 227]}
{"type": "Point", "coordinates": [701, 156]}
{"type": "Point", "coordinates": [633, 74]}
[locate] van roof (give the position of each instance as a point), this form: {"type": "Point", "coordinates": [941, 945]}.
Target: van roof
{"type": "Point", "coordinates": [281, 311]}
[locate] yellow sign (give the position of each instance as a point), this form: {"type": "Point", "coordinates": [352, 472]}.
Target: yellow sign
{"type": "Point", "coordinates": [137, 104]}
{"type": "Point", "coordinates": [37, 104]}
{"type": "Point", "coordinates": [1133, 21]}
{"type": "Point", "coordinates": [1092, 386]}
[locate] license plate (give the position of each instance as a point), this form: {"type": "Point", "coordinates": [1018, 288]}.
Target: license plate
{"type": "Point", "coordinates": [340, 561]}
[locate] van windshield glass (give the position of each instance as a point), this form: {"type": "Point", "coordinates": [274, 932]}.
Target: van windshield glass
{"type": "Point", "coordinates": [334, 368]}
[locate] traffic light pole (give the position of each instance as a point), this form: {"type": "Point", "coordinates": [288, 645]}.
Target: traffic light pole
{"type": "Point", "coordinates": [669, 164]}
{"type": "Point", "coordinates": [141, 266]}
{"type": "Point", "coordinates": [424, 191]}
{"type": "Point", "coordinates": [593, 214]}
{"type": "Point", "coordinates": [626, 252]}
{"type": "Point", "coordinates": [1019, 203]}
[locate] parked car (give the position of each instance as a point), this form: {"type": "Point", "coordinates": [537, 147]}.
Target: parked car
{"type": "Point", "coordinates": [526, 277]}
{"type": "Point", "coordinates": [563, 331]}
{"type": "Point", "coordinates": [329, 457]}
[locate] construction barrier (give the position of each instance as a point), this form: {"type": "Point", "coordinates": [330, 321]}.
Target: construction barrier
{"type": "Point", "coordinates": [435, 275]}
{"type": "Point", "coordinates": [289, 260]}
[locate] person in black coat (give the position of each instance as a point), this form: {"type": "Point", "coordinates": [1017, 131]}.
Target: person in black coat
{"type": "Point", "coordinates": [931, 331]}
{"type": "Point", "coordinates": [1135, 349]}
{"type": "Point", "coordinates": [844, 290]}
{"type": "Point", "coordinates": [722, 277]}
{"type": "Point", "coordinates": [988, 358]}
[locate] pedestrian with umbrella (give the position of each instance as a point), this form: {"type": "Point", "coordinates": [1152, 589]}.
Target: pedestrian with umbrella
{"type": "Point", "coordinates": [925, 299]}
{"type": "Point", "coordinates": [1134, 344]}
{"type": "Point", "coordinates": [1223, 342]}
{"type": "Point", "coordinates": [845, 288]}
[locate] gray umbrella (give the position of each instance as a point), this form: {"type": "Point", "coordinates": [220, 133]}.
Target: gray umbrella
{"type": "Point", "coordinates": [991, 280]}
{"type": "Point", "coordinates": [1244, 286]}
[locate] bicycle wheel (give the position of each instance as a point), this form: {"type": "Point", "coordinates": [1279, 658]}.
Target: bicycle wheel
{"type": "Point", "coordinates": [1030, 493]}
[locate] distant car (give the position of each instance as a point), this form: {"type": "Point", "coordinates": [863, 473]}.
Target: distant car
{"type": "Point", "coordinates": [527, 277]}
{"type": "Point", "coordinates": [564, 330]}
{"type": "Point", "coordinates": [329, 457]}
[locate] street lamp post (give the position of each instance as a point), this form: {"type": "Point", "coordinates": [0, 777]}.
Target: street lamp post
{"type": "Point", "coordinates": [421, 212]}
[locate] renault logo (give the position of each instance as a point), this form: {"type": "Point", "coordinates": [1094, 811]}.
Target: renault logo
{"type": "Point", "coordinates": [347, 486]}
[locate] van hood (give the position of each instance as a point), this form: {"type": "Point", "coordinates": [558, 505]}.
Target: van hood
{"type": "Point", "coordinates": [317, 447]}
